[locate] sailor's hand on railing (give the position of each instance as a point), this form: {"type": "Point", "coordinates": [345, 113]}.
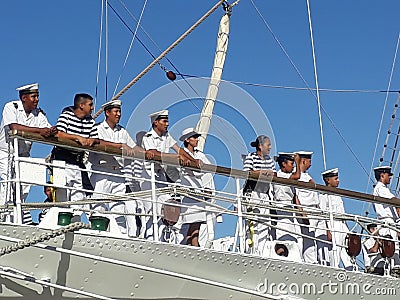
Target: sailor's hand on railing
{"type": "Point", "coordinates": [183, 160]}
{"type": "Point", "coordinates": [88, 142]}
{"type": "Point", "coordinates": [46, 132]}
{"type": "Point", "coordinates": [149, 154]}
{"type": "Point", "coordinates": [128, 151]}
{"type": "Point", "coordinates": [199, 163]}
{"type": "Point", "coordinates": [53, 131]}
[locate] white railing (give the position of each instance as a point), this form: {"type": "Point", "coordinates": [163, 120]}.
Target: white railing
{"type": "Point", "coordinates": [225, 200]}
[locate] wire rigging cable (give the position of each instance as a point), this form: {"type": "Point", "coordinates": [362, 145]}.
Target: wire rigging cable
{"type": "Point", "coordinates": [316, 84]}
{"type": "Point", "coordinates": [99, 53]}
{"type": "Point", "coordinates": [309, 89]}
{"type": "Point", "coordinates": [233, 143]}
{"type": "Point", "coordinates": [383, 114]}
{"type": "Point", "coordinates": [130, 47]}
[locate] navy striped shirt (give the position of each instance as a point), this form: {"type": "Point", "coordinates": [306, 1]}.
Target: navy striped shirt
{"type": "Point", "coordinates": [253, 162]}
{"type": "Point", "coordinates": [68, 122]}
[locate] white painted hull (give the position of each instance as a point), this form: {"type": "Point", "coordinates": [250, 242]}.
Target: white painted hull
{"type": "Point", "coordinates": [133, 268]}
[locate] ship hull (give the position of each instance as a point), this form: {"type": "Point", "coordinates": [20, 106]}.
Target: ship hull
{"type": "Point", "coordinates": [96, 264]}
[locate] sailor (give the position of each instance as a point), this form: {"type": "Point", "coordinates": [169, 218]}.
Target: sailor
{"type": "Point", "coordinates": [158, 142]}
{"type": "Point", "coordinates": [287, 225]}
{"type": "Point", "coordinates": [333, 231]}
{"type": "Point", "coordinates": [111, 180]}
{"type": "Point", "coordinates": [384, 212]}
{"type": "Point", "coordinates": [374, 262]}
{"type": "Point", "coordinates": [25, 115]}
{"type": "Point", "coordinates": [76, 123]}
{"type": "Point", "coordinates": [256, 163]}
{"type": "Point", "coordinates": [308, 201]}
{"type": "Point", "coordinates": [194, 213]}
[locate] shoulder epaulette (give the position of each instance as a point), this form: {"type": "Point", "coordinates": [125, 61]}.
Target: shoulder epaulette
{"type": "Point", "coordinates": [42, 111]}
{"type": "Point", "coordinates": [15, 105]}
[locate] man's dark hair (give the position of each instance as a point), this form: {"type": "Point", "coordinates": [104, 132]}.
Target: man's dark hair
{"type": "Point", "coordinates": [81, 98]}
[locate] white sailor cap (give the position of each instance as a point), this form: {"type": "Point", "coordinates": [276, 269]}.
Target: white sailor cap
{"type": "Point", "coordinates": [305, 154]}
{"type": "Point", "coordinates": [383, 169]}
{"type": "Point", "coordinates": [330, 173]}
{"type": "Point", "coordinates": [162, 114]}
{"type": "Point", "coordinates": [188, 133]}
{"type": "Point", "coordinates": [111, 104]}
{"type": "Point", "coordinates": [284, 156]}
{"type": "Point", "coordinates": [28, 89]}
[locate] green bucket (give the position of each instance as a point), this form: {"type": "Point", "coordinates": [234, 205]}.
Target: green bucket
{"type": "Point", "coordinates": [64, 218]}
{"type": "Point", "coordinates": [99, 223]}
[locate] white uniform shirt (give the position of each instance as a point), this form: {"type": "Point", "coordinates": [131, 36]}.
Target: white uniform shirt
{"type": "Point", "coordinates": [306, 197]}
{"type": "Point", "coordinates": [152, 141]}
{"type": "Point", "coordinates": [326, 200]}
{"type": "Point", "coordinates": [199, 179]}
{"type": "Point", "coordinates": [14, 113]}
{"type": "Point", "coordinates": [384, 210]}
{"type": "Point", "coordinates": [118, 134]}
{"type": "Point", "coordinates": [284, 194]}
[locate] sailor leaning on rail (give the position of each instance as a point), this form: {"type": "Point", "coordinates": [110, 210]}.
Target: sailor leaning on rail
{"type": "Point", "coordinates": [194, 214]}
{"type": "Point", "coordinates": [23, 114]}
{"type": "Point", "coordinates": [158, 142]}
{"type": "Point", "coordinates": [76, 123]}
{"type": "Point", "coordinates": [335, 230]}
{"type": "Point", "coordinates": [113, 183]}
{"type": "Point", "coordinates": [259, 162]}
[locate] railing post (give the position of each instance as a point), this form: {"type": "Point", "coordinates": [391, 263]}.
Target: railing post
{"type": "Point", "coordinates": [17, 208]}
{"type": "Point", "coordinates": [240, 215]}
{"type": "Point", "coordinates": [331, 221]}
{"type": "Point", "coordinates": [154, 202]}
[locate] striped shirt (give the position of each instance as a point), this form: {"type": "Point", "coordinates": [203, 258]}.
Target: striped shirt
{"type": "Point", "coordinates": [68, 122]}
{"type": "Point", "coordinates": [253, 162]}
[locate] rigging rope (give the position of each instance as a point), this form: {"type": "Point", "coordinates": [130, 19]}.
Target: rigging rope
{"type": "Point", "coordinates": [130, 46]}
{"type": "Point", "coordinates": [43, 237]}
{"type": "Point", "coordinates": [290, 87]}
{"type": "Point", "coordinates": [173, 45]}
{"type": "Point", "coordinates": [309, 89]}
{"type": "Point", "coordinates": [383, 114]}
{"type": "Point", "coordinates": [106, 79]}
{"type": "Point", "coordinates": [221, 132]}
{"type": "Point", "coordinates": [99, 53]}
{"type": "Point", "coordinates": [316, 84]}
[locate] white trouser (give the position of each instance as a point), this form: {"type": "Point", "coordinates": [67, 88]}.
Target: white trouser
{"type": "Point", "coordinates": [261, 228]}
{"type": "Point", "coordinates": [387, 231]}
{"type": "Point", "coordinates": [309, 244]}
{"type": "Point", "coordinates": [73, 177]}
{"type": "Point", "coordinates": [339, 235]}
{"type": "Point", "coordinates": [113, 185]}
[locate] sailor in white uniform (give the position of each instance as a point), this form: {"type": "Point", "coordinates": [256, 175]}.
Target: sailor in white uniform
{"type": "Point", "coordinates": [158, 142]}
{"type": "Point", "coordinates": [195, 214]}
{"type": "Point", "coordinates": [113, 183]}
{"type": "Point", "coordinates": [335, 231]}
{"type": "Point", "coordinates": [309, 201]}
{"type": "Point", "coordinates": [386, 213]}
{"type": "Point", "coordinates": [23, 114]}
{"type": "Point", "coordinates": [284, 196]}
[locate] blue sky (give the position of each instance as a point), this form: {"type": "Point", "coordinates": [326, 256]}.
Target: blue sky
{"type": "Point", "coordinates": [56, 43]}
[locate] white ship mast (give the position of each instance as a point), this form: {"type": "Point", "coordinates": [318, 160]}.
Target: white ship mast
{"type": "Point", "coordinates": [204, 122]}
